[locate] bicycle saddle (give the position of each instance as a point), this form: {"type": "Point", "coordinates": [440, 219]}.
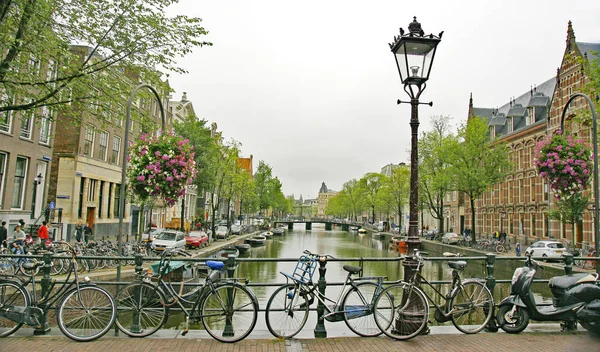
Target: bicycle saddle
{"type": "Point", "coordinates": [30, 265]}
{"type": "Point", "coordinates": [352, 269]}
{"type": "Point", "coordinates": [459, 265]}
{"type": "Point", "coordinates": [215, 265]}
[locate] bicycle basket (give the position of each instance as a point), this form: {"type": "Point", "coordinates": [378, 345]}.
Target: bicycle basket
{"type": "Point", "coordinates": [305, 268]}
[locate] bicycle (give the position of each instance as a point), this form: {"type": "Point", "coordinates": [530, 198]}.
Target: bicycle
{"type": "Point", "coordinates": [288, 307]}
{"type": "Point", "coordinates": [586, 263]}
{"type": "Point", "coordinates": [228, 310]}
{"type": "Point", "coordinates": [15, 262]}
{"type": "Point", "coordinates": [469, 304]}
{"type": "Point", "coordinates": [84, 312]}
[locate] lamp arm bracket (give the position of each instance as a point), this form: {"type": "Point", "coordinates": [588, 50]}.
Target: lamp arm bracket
{"type": "Point", "coordinates": [408, 102]}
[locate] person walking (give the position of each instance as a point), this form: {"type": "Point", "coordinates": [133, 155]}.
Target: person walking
{"type": "Point", "coordinates": [43, 234]}
{"type": "Point", "coordinates": [3, 234]}
{"type": "Point", "coordinates": [518, 249]}
{"type": "Point", "coordinates": [79, 232]}
{"type": "Point", "coordinates": [87, 233]}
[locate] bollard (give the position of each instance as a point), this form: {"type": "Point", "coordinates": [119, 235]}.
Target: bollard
{"type": "Point", "coordinates": [228, 329]}
{"type": "Point", "coordinates": [320, 330]}
{"type": "Point", "coordinates": [44, 328]}
{"type": "Point", "coordinates": [568, 263]}
{"type": "Point", "coordinates": [490, 283]}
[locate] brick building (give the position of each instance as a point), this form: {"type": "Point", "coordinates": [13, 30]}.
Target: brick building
{"type": "Point", "coordinates": [519, 205]}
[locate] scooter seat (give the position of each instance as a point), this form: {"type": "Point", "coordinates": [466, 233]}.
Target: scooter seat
{"type": "Point", "coordinates": [566, 281]}
{"type": "Point", "coordinates": [458, 265]}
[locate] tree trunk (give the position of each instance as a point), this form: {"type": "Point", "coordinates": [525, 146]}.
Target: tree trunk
{"type": "Point", "coordinates": [473, 237]}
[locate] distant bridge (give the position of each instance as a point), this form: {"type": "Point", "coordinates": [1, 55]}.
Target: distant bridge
{"type": "Point", "coordinates": [328, 224]}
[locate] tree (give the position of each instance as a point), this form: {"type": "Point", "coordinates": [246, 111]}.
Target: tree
{"type": "Point", "coordinates": [476, 163]}
{"type": "Point", "coordinates": [370, 186]}
{"type": "Point", "coordinates": [435, 181]}
{"type": "Point", "coordinates": [396, 190]}
{"type": "Point", "coordinates": [135, 38]}
{"type": "Point", "coordinates": [570, 210]}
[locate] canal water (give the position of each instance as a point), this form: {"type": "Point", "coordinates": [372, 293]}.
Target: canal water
{"type": "Point", "coordinates": [342, 244]}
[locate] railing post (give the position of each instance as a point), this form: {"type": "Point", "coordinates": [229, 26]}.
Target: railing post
{"type": "Point", "coordinates": [44, 328]}
{"type": "Point", "coordinates": [320, 330]}
{"type": "Point", "coordinates": [228, 329]}
{"type": "Point", "coordinates": [568, 263]}
{"type": "Point", "coordinates": [139, 265]}
{"type": "Point", "coordinates": [490, 283]}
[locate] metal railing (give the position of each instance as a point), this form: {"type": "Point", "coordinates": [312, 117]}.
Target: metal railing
{"type": "Point", "coordinates": [232, 262]}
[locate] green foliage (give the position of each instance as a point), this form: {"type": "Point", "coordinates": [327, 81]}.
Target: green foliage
{"type": "Point", "coordinates": [396, 190]}
{"type": "Point", "coordinates": [122, 43]}
{"type": "Point", "coordinates": [370, 185]}
{"type": "Point", "coordinates": [476, 163]}
{"type": "Point", "coordinates": [268, 189]}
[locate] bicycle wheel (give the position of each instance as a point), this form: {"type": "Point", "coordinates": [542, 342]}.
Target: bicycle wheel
{"type": "Point", "coordinates": [6, 267]}
{"type": "Point", "coordinates": [57, 266]}
{"type": "Point", "coordinates": [139, 309]}
{"type": "Point", "coordinates": [407, 316]}
{"type": "Point", "coordinates": [357, 306]}
{"type": "Point", "coordinates": [229, 312]}
{"type": "Point", "coordinates": [472, 305]}
{"type": "Point", "coordinates": [286, 311]}
{"type": "Point", "coordinates": [28, 272]}
{"type": "Point", "coordinates": [11, 295]}
{"type": "Point", "coordinates": [500, 248]}
{"type": "Point", "coordinates": [86, 314]}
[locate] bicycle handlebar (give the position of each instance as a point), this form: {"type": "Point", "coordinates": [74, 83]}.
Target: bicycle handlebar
{"type": "Point", "coordinates": [307, 252]}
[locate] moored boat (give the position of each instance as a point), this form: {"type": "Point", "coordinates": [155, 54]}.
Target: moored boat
{"type": "Point", "coordinates": [278, 231]}
{"type": "Point", "coordinates": [267, 234]}
{"type": "Point", "coordinates": [243, 247]}
{"type": "Point", "coordinates": [256, 241]}
{"type": "Point", "coordinates": [227, 251]}
{"type": "Point", "coordinates": [398, 243]}
{"type": "Point", "coordinates": [362, 231]}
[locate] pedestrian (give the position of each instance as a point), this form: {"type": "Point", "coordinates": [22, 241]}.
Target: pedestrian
{"type": "Point", "coordinates": [43, 234]}
{"type": "Point", "coordinates": [3, 234]}
{"type": "Point", "coordinates": [19, 236]}
{"type": "Point", "coordinates": [79, 232]}
{"type": "Point", "coordinates": [518, 249]}
{"type": "Point", "coordinates": [87, 233]}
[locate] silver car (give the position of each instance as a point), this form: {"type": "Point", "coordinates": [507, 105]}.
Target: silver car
{"type": "Point", "coordinates": [450, 238]}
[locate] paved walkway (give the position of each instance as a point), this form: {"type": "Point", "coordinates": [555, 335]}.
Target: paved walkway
{"type": "Point", "coordinates": [526, 341]}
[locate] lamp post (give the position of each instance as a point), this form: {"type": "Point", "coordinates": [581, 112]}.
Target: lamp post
{"type": "Point", "coordinates": [414, 53]}
{"type": "Point", "coordinates": [595, 158]}
{"type": "Point", "coordinates": [124, 164]}
{"type": "Point", "coordinates": [36, 181]}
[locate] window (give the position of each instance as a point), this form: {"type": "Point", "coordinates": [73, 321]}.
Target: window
{"type": "Point", "coordinates": [110, 190]}
{"type": "Point", "coordinates": [117, 200]}
{"type": "Point", "coordinates": [545, 191]}
{"type": "Point", "coordinates": [532, 190]}
{"type": "Point", "coordinates": [88, 143]}
{"type": "Point", "coordinates": [51, 72]}
{"type": "Point", "coordinates": [530, 115]}
{"type": "Point", "coordinates": [509, 124]}
{"type": "Point", "coordinates": [103, 146]}
{"type": "Point", "coordinates": [5, 116]}
{"type": "Point", "coordinates": [116, 150]}
{"type": "Point", "coordinates": [45, 126]}
{"type": "Point", "coordinates": [91, 193]}
{"type": "Point", "coordinates": [80, 209]}
{"type": "Point", "coordinates": [492, 132]}
{"type": "Point", "coordinates": [520, 190]}
{"type": "Point", "coordinates": [3, 159]}
{"type": "Point", "coordinates": [100, 199]}
{"type": "Point", "coordinates": [510, 192]}
{"type": "Point", "coordinates": [34, 65]}
{"type": "Point", "coordinates": [19, 185]}
{"type": "Point", "coordinates": [26, 123]}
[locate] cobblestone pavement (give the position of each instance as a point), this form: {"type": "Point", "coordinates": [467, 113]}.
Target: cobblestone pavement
{"type": "Point", "coordinates": [530, 342]}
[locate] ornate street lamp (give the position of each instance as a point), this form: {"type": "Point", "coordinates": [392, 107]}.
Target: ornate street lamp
{"type": "Point", "coordinates": [595, 158]}
{"type": "Point", "coordinates": [414, 53]}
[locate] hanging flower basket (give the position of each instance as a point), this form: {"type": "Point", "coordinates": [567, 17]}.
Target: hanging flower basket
{"type": "Point", "coordinates": [565, 162]}
{"type": "Point", "coordinates": [161, 167]}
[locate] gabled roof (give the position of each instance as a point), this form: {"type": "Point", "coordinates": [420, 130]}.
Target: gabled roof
{"type": "Point", "coordinates": [591, 49]}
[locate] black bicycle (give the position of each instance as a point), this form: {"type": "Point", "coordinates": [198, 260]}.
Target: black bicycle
{"type": "Point", "coordinates": [469, 304]}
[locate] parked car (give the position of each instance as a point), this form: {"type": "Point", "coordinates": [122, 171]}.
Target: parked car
{"type": "Point", "coordinates": [169, 239]}
{"type": "Point", "coordinates": [196, 239]}
{"type": "Point", "coordinates": [222, 232]}
{"type": "Point", "coordinates": [451, 238]}
{"type": "Point", "coordinates": [546, 249]}
{"type": "Point", "coordinates": [153, 231]}
{"type": "Point", "coordinates": [236, 229]}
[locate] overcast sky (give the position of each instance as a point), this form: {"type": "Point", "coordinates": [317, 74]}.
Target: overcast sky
{"type": "Point", "coordinates": [310, 87]}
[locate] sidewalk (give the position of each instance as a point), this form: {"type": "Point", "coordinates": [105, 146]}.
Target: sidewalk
{"type": "Point", "coordinates": [542, 341]}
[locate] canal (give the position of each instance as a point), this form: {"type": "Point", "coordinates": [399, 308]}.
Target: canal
{"type": "Point", "coordinates": [342, 244]}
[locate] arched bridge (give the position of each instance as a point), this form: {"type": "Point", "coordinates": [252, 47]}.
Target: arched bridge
{"type": "Point", "coordinates": [328, 224]}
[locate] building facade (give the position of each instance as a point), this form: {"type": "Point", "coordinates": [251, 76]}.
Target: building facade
{"type": "Point", "coordinates": [323, 198]}
{"type": "Point", "coordinates": [520, 204]}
